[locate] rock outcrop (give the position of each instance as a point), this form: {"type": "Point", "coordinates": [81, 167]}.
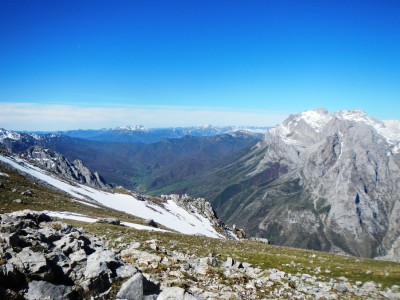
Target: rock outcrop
{"type": "Point", "coordinates": [42, 259]}
{"type": "Point", "coordinates": [58, 164]}
{"type": "Point", "coordinates": [201, 208]}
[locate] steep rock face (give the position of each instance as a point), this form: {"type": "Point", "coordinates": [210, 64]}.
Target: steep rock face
{"type": "Point", "coordinates": [58, 164]}
{"type": "Point", "coordinates": [321, 181]}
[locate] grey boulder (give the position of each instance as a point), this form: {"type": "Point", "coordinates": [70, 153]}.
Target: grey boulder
{"type": "Point", "coordinates": [132, 289]}
{"type": "Point", "coordinates": [47, 290]}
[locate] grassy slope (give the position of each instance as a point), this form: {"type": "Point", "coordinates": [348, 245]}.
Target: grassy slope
{"type": "Point", "coordinates": [290, 260]}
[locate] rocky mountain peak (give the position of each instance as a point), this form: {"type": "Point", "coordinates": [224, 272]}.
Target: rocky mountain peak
{"type": "Point", "coordinates": [334, 176]}
{"type": "Point", "coordinates": [312, 126]}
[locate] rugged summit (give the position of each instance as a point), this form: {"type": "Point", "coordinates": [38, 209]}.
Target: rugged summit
{"type": "Point", "coordinates": [321, 181]}
{"type": "Point", "coordinates": [58, 164]}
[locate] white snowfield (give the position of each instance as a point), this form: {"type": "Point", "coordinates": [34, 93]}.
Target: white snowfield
{"type": "Point", "coordinates": [84, 218]}
{"type": "Point", "coordinates": [171, 215]}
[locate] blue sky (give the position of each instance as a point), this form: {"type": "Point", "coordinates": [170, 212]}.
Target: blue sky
{"type": "Point", "coordinates": [255, 61]}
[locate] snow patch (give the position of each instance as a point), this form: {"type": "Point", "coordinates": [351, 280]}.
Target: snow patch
{"type": "Point", "coordinates": [143, 227]}
{"type": "Point", "coordinates": [4, 174]}
{"type": "Point", "coordinates": [69, 216]}
{"type": "Point", "coordinates": [317, 118]}
{"type": "Point", "coordinates": [231, 234]}
{"type": "Point", "coordinates": [341, 150]}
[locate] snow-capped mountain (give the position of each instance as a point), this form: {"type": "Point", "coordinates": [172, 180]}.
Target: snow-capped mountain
{"type": "Point", "coordinates": [319, 180]}
{"type": "Point", "coordinates": [130, 128]}
{"type": "Point", "coordinates": [141, 134]}
{"type": "Point", "coordinates": [317, 120]}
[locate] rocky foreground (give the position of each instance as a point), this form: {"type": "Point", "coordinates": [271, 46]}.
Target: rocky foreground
{"type": "Point", "coordinates": [46, 259]}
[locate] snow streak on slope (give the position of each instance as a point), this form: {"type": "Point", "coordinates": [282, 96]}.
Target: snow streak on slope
{"type": "Point", "coordinates": [171, 216]}
{"type": "Point", "coordinates": [84, 218]}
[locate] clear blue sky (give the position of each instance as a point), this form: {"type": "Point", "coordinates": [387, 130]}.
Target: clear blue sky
{"type": "Point", "coordinates": [260, 56]}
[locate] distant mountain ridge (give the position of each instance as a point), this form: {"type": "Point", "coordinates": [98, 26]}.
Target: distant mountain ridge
{"type": "Point", "coordinates": [141, 134]}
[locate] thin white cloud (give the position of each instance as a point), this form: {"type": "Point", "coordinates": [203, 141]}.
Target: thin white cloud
{"type": "Point", "coordinates": [32, 116]}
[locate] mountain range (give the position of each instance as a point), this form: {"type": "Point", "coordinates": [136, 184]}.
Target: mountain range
{"type": "Point", "coordinates": [323, 181]}
{"type": "Point", "coordinates": [141, 134]}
